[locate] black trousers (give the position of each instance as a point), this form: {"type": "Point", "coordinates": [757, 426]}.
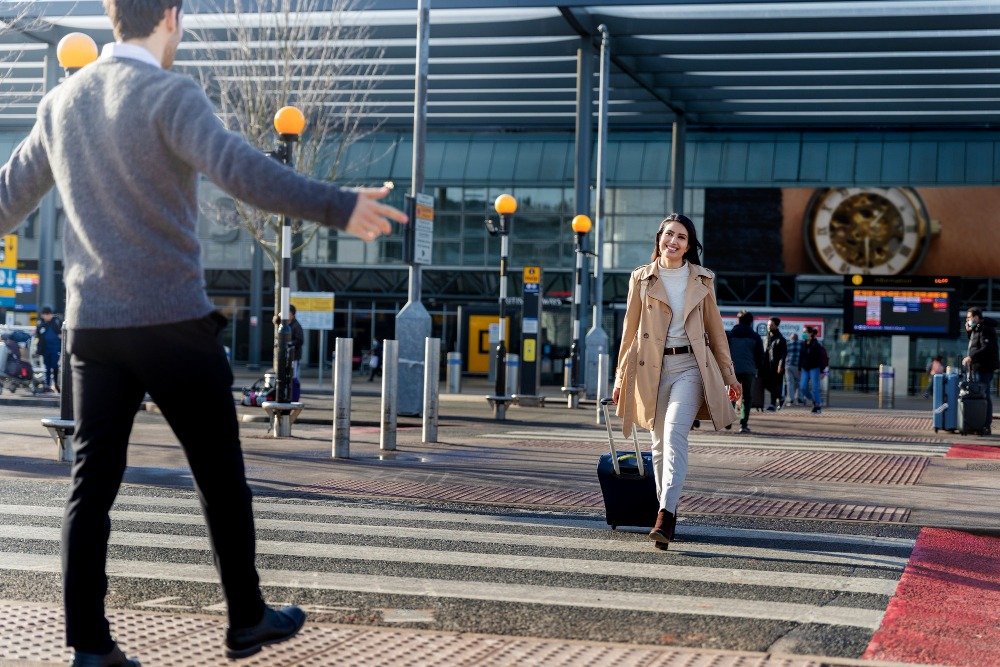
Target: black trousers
{"type": "Point", "coordinates": [746, 383]}
{"type": "Point", "coordinates": [183, 366]}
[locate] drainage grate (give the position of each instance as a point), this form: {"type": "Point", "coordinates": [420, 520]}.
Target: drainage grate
{"type": "Point", "coordinates": [34, 632]}
{"type": "Point", "coordinates": [984, 467]}
{"type": "Point", "coordinates": [790, 509]}
{"type": "Point", "coordinates": [841, 467]}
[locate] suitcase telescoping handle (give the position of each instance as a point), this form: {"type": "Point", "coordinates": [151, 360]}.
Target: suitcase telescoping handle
{"type": "Point", "coordinates": [605, 402]}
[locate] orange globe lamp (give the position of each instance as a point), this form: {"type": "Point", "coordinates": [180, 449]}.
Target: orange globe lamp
{"type": "Point", "coordinates": [581, 224]}
{"type": "Point", "coordinates": [289, 121]}
{"type": "Point", "coordinates": [505, 205]}
{"type": "Point", "coordinates": [76, 50]}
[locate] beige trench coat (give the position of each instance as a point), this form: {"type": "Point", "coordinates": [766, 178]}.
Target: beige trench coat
{"type": "Point", "coordinates": [647, 316]}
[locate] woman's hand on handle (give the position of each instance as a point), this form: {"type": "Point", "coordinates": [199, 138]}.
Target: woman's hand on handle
{"type": "Point", "coordinates": [735, 392]}
{"type": "Point", "coordinates": [616, 392]}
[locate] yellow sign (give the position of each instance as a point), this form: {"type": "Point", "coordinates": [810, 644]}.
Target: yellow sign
{"type": "Point", "coordinates": [532, 275]}
{"type": "Point", "coordinates": [314, 310]}
{"type": "Point", "coordinates": [528, 353]}
{"type": "Point", "coordinates": [8, 252]}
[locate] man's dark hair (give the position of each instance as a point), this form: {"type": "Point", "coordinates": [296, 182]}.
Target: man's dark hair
{"type": "Point", "coordinates": [291, 308]}
{"type": "Point", "coordinates": [135, 19]}
{"type": "Point", "coordinates": [744, 317]}
{"type": "Point", "coordinates": [776, 320]}
{"type": "Point", "coordinates": [976, 312]}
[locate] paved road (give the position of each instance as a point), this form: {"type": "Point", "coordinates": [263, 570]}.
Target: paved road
{"type": "Point", "coordinates": [749, 585]}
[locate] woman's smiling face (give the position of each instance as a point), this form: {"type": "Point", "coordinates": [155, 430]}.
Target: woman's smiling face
{"type": "Point", "coordinates": [673, 242]}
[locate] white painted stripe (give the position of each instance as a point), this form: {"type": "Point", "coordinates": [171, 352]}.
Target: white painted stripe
{"type": "Point", "coordinates": [571, 544]}
{"type": "Point", "coordinates": [536, 520]}
{"type": "Point", "coordinates": [659, 571]}
{"type": "Point", "coordinates": [475, 590]}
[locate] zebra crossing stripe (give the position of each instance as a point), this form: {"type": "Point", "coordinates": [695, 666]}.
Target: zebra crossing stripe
{"type": "Point", "coordinates": [622, 542]}
{"type": "Point", "coordinates": [664, 571]}
{"type": "Point", "coordinates": [487, 591]}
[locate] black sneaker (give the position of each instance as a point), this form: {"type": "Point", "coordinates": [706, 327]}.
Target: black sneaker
{"type": "Point", "coordinates": [744, 428]}
{"type": "Point", "coordinates": [771, 408]}
{"type": "Point", "coordinates": [276, 626]}
{"type": "Point", "coordinates": [114, 658]}
{"type": "Point", "coordinates": [817, 410]}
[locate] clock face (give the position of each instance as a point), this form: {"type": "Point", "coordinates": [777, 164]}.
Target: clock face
{"type": "Point", "coordinates": [880, 231]}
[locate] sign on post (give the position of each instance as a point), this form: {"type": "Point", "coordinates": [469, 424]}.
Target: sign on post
{"type": "Point", "coordinates": [423, 229]}
{"type": "Point", "coordinates": [531, 314]}
{"type": "Point", "coordinates": [314, 310]}
{"type": "Point", "coordinates": [8, 271]}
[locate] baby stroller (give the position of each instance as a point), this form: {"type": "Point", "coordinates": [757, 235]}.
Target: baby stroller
{"type": "Point", "coordinates": [15, 372]}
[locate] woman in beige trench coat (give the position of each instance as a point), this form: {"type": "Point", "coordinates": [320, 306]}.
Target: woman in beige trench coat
{"type": "Point", "coordinates": [673, 370]}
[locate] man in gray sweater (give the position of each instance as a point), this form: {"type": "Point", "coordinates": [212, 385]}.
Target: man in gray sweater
{"type": "Point", "coordinates": [123, 141]}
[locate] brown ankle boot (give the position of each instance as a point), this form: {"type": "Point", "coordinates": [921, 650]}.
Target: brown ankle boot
{"type": "Point", "coordinates": [661, 529]}
{"type": "Point", "coordinates": [672, 527]}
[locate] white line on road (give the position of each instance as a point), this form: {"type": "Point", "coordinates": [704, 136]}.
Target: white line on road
{"type": "Point", "coordinates": [476, 533]}
{"type": "Point", "coordinates": [664, 571]}
{"type": "Point", "coordinates": [473, 590]}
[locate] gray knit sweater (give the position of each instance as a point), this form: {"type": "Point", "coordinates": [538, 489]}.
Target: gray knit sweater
{"type": "Point", "coordinates": [123, 141]}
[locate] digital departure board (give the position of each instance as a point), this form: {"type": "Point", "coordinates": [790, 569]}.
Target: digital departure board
{"type": "Point", "coordinates": [921, 308]}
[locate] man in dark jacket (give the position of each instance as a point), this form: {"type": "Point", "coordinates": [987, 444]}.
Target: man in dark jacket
{"type": "Point", "coordinates": [298, 340]}
{"type": "Point", "coordinates": [813, 361]}
{"type": "Point", "coordinates": [774, 366]}
{"type": "Point", "coordinates": [747, 352]}
{"type": "Point", "coordinates": [983, 357]}
{"type": "Point", "coordinates": [49, 334]}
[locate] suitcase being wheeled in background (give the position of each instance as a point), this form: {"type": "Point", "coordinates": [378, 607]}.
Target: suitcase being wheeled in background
{"type": "Point", "coordinates": [944, 388]}
{"type": "Point", "coordinates": [972, 414]}
{"type": "Point", "coordinates": [629, 491]}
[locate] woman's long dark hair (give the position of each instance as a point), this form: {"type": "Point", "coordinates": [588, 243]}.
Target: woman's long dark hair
{"type": "Point", "coordinates": [693, 254]}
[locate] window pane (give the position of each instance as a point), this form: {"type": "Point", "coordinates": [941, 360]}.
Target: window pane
{"type": "Point", "coordinates": [640, 200]}
{"type": "Point", "coordinates": [475, 200]}
{"type": "Point", "coordinates": [541, 200]}
{"type": "Point", "coordinates": [448, 199]}
{"type": "Point", "coordinates": [447, 226]}
{"type": "Point", "coordinates": [447, 252]}
{"type": "Point", "coordinates": [548, 228]}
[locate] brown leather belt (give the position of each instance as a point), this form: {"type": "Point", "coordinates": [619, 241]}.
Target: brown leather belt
{"type": "Point", "coordinates": [685, 349]}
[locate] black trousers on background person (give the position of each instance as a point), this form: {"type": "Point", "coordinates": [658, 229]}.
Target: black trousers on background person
{"type": "Point", "coordinates": [178, 364]}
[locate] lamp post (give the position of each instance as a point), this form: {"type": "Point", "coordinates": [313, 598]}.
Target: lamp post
{"type": "Point", "coordinates": [289, 122]}
{"type": "Point", "coordinates": [581, 227]}
{"type": "Point", "coordinates": [74, 51]}
{"type": "Point", "coordinates": [505, 205]}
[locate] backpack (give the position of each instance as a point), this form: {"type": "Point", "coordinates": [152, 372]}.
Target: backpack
{"type": "Point", "coordinates": [258, 392]}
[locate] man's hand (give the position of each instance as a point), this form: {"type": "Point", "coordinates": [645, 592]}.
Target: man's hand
{"type": "Point", "coordinates": [615, 394]}
{"type": "Point", "coordinates": [735, 392]}
{"type": "Point", "coordinates": [370, 217]}
{"type": "Point", "coordinates": [966, 361]}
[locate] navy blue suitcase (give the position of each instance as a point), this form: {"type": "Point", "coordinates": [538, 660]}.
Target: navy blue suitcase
{"type": "Point", "coordinates": [629, 492]}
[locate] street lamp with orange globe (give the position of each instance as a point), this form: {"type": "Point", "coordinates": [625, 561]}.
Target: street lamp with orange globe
{"type": "Point", "coordinates": [289, 123]}
{"type": "Point", "coordinates": [75, 51]}
{"type": "Point", "coordinates": [505, 205]}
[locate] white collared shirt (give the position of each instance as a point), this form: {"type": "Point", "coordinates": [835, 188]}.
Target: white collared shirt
{"type": "Point", "coordinates": [121, 50]}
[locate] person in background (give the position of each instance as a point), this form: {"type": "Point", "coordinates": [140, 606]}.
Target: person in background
{"type": "Point", "coordinates": [298, 340]}
{"type": "Point", "coordinates": [673, 363]}
{"type": "Point", "coordinates": [792, 394]}
{"type": "Point", "coordinates": [374, 359]}
{"type": "Point", "coordinates": [48, 331]}
{"type": "Point", "coordinates": [747, 353]}
{"type": "Point", "coordinates": [813, 362]}
{"type": "Point", "coordinates": [982, 358]}
{"type": "Point", "coordinates": [124, 141]}
{"type": "Point", "coordinates": [776, 350]}
{"type": "Point", "coordinates": [935, 367]}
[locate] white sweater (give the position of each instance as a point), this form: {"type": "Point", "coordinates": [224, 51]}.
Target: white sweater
{"type": "Point", "coordinates": [675, 282]}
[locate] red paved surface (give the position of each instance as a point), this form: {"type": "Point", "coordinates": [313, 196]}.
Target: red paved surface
{"type": "Point", "coordinates": [946, 610]}
{"type": "Point", "coordinates": [973, 452]}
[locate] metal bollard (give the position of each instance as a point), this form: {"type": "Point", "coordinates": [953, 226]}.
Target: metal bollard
{"type": "Point", "coordinates": [513, 364]}
{"type": "Point", "coordinates": [342, 372]}
{"type": "Point", "coordinates": [390, 391]}
{"type": "Point", "coordinates": [602, 383]}
{"type": "Point", "coordinates": [454, 372]}
{"type": "Point", "coordinates": [886, 386]}
{"type": "Point", "coordinates": [432, 369]}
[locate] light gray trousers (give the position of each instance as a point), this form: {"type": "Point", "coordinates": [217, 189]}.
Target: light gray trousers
{"type": "Point", "coordinates": [678, 400]}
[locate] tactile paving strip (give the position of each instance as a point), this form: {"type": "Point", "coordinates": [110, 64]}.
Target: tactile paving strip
{"type": "Point", "coordinates": [188, 640]}
{"type": "Point", "coordinates": [459, 492]}
{"type": "Point", "coordinates": [840, 467]}
{"type": "Point", "coordinates": [790, 509]}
